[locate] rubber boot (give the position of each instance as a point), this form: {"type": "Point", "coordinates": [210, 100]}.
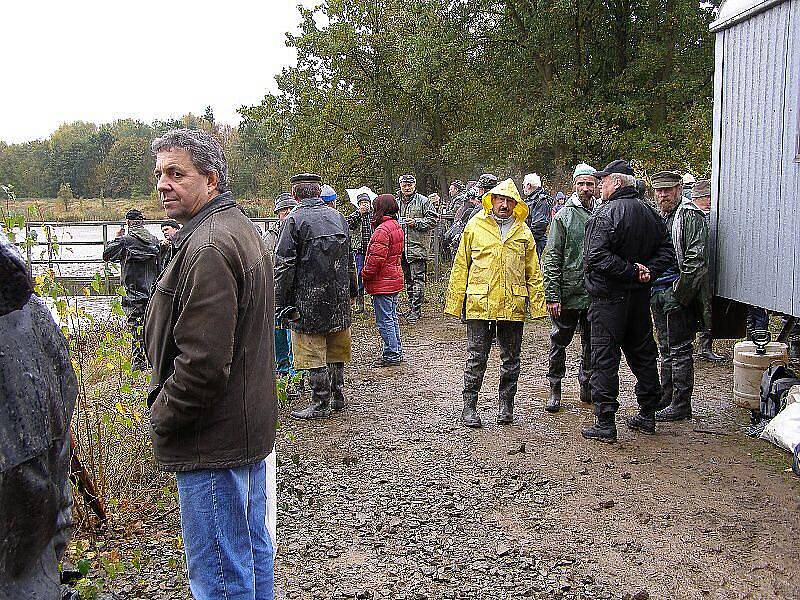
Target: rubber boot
{"type": "Point", "coordinates": [554, 401]}
{"type": "Point", "coordinates": [604, 430]}
{"type": "Point", "coordinates": [469, 415]}
{"type": "Point", "coordinates": [359, 302]}
{"type": "Point", "coordinates": [707, 349]}
{"type": "Point", "coordinates": [677, 411]}
{"type": "Point", "coordinates": [320, 406]}
{"type": "Point", "coordinates": [336, 372]}
{"type": "Point", "coordinates": [586, 394]}
{"type": "Point", "coordinates": [643, 421]}
{"type": "Point", "coordinates": [505, 416]}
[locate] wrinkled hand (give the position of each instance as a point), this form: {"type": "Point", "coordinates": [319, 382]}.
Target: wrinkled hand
{"type": "Point", "coordinates": [643, 273]}
{"type": "Point", "coordinates": [554, 309]}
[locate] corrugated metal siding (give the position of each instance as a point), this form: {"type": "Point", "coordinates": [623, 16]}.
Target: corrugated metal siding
{"type": "Point", "coordinates": [790, 228]}
{"type": "Point", "coordinates": [756, 218]}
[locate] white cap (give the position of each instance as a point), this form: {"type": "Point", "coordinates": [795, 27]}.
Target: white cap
{"type": "Point", "coordinates": [533, 180]}
{"type": "Point", "coordinates": [688, 179]}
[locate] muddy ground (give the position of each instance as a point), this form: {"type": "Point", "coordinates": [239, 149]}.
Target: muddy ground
{"type": "Point", "coordinates": [393, 499]}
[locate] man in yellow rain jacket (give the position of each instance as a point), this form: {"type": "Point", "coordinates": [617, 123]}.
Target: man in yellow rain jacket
{"type": "Point", "coordinates": [495, 278]}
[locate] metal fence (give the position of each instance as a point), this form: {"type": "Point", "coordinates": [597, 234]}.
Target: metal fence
{"type": "Point", "coordinates": [80, 284]}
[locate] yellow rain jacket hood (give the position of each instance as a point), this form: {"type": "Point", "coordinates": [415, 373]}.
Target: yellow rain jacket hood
{"type": "Point", "coordinates": [494, 278]}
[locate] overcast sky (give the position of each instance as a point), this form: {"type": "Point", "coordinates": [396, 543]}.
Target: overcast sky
{"type": "Point", "coordinates": [99, 61]}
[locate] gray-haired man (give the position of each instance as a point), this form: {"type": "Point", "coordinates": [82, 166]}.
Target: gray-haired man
{"type": "Point", "coordinates": [213, 408]}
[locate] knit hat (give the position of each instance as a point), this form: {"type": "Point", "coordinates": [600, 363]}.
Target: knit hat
{"type": "Point", "coordinates": [407, 179]}
{"type": "Point", "coordinates": [134, 214]}
{"type": "Point", "coordinates": [328, 193]}
{"type": "Point", "coordinates": [487, 181]}
{"type": "Point", "coordinates": [583, 169]}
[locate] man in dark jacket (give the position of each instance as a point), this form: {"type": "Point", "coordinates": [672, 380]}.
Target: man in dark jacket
{"type": "Point", "coordinates": [677, 296]}
{"type": "Point", "coordinates": [540, 206]}
{"type": "Point", "coordinates": [564, 290]}
{"type": "Point", "coordinates": [38, 390]}
{"type": "Point", "coordinates": [701, 198]}
{"type": "Point", "coordinates": [138, 254]}
{"type": "Point", "coordinates": [170, 229]}
{"type": "Point", "coordinates": [209, 335]}
{"type": "Point", "coordinates": [626, 247]}
{"type": "Point", "coordinates": [315, 280]}
{"type": "Point", "coordinates": [417, 217]}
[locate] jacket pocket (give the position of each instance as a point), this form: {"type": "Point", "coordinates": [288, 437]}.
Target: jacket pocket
{"type": "Point", "coordinates": [477, 305]}
{"type": "Point", "coordinates": [520, 301]}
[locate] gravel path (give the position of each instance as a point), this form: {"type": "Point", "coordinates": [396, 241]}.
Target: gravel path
{"type": "Point", "coordinates": [393, 499]}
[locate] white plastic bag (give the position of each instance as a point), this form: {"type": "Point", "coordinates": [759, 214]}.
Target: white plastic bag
{"type": "Point", "coordinates": [784, 428]}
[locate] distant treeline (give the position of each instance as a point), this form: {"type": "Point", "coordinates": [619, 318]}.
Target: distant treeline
{"type": "Point", "coordinates": [445, 89]}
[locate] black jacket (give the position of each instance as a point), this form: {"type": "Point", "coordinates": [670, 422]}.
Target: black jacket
{"type": "Point", "coordinates": [314, 268]}
{"type": "Point", "coordinates": [539, 206]}
{"type": "Point", "coordinates": [38, 390]}
{"type": "Point", "coordinates": [624, 231]}
{"type": "Point", "coordinates": [138, 255]}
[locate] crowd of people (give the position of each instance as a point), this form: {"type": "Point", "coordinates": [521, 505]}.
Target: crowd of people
{"type": "Point", "coordinates": [219, 309]}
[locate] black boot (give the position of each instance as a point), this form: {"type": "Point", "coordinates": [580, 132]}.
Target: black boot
{"type": "Point", "coordinates": [554, 401]}
{"type": "Point", "coordinates": [506, 414]}
{"type": "Point", "coordinates": [707, 349]}
{"type": "Point", "coordinates": [586, 394]}
{"type": "Point", "coordinates": [677, 411]}
{"type": "Point", "coordinates": [644, 422]}
{"type": "Point", "coordinates": [470, 416]}
{"type": "Point", "coordinates": [605, 430]}
{"type": "Point", "coordinates": [336, 373]}
{"type": "Point", "coordinates": [320, 406]}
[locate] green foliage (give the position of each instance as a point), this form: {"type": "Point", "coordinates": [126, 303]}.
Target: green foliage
{"type": "Point", "coordinates": [444, 88]}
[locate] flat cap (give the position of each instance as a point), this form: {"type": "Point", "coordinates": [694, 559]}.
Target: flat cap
{"type": "Point", "coordinates": [305, 178]}
{"type": "Point", "coordinates": [615, 166]}
{"type": "Point", "coordinates": [134, 214]}
{"type": "Point", "coordinates": [171, 223]}
{"type": "Point", "coordinates": [702, 188]}
{"type": "Point", "coordinates": [407, 178]}
{"type": "Point", "coordinates": [284, 201]}
{"type": "Point", "coordinates": [666, 179]}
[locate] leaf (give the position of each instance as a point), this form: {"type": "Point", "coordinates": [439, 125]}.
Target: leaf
{"type": "Point", "coordinates": [83, 566]}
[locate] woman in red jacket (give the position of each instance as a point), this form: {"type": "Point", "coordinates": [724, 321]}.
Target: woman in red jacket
{"type": "Point", "coordinates": [383, 276]}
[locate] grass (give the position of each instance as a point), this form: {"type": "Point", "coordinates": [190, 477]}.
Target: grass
{"type": "Point", "coordinates": [107, 209]}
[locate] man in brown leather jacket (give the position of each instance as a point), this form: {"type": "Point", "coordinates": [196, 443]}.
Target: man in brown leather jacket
{"type": "Point", "coordinates": [209, 333]}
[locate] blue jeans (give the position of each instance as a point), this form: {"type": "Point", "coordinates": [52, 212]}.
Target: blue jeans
{"type": "Point", "coordinates": [223, 521]}
{"type": "Point", "coordinates": [385, 306]}
{"type": "Point", "coordinates": [359, 265]}
{"type": "Point", "coordinates": [284, 364]}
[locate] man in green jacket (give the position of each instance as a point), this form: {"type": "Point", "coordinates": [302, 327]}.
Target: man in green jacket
{"type": "Point", "coordinates": [418, 217]}
{"type": "Point", "coordinates": [564, 290]}
{"type": "Point", "coordinates": [677, 296]}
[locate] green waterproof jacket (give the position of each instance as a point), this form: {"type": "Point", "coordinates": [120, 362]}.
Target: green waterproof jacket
{"type": "Point", "coordinates": [690, 238]}
{"type": "Point", "coordinates": [418, 235]}
{"type": "Point", "coordinates": [562, 259]}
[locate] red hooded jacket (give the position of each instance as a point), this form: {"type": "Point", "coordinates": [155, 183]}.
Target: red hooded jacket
{"type": "Point", "coordinates": [382, 273]}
